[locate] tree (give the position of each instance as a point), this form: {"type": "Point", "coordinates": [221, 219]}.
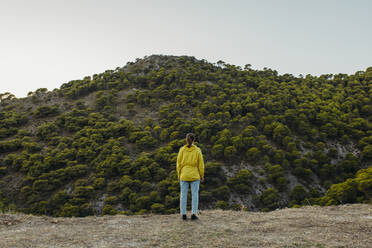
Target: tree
{"type": "Point", "coordinates": [298, 194]}
{"type": "Point", "coordinates": [367, 152]}
{"type": "Point", "coordinates": [222, 193]}
{"type": "Point", "coordinates": [345, 192]}
{"type": "Point", "coordinates": [218, 151]}
{"type": "Point", "coordinates": [157, 208]}
{"type": "Point", "coordinates": [276, 176]}
{"type": "Point", "coordinates": [230, 152]}
{"type": "Point", "coordinates": [270, 199]}
{"type": "Point", "coordinates": [253, 154]}
{"type": "Point", "coordinates": [241, 181]}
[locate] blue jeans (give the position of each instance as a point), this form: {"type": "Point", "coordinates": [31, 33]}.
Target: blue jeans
{"type": "Point", "coordinates": [194, 194]}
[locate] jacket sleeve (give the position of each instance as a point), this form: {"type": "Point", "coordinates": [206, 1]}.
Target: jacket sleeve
{"type": "Point", "coordinates": [201, 165]}
{"type": "Point", "coordinates": [179, 157]}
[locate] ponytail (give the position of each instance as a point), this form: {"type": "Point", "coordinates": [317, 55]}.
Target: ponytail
{"type": "Point", "coordinates": [190, 137]}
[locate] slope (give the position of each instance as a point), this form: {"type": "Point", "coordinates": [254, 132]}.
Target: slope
{"type": "Point", "coordinates": [107, 143]}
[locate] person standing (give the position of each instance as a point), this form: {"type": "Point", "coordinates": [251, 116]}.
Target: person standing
{"type": "Point", "coordinates": [190, 171]}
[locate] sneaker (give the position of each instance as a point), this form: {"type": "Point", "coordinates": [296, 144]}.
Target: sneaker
{"type": "Point", "coordinates": [184, 217]}
{"type": "Point", "coordinates": [194, 217]}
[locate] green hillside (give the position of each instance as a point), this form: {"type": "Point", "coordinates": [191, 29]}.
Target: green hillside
{"type": "Point", "coordinates": [108, 143]}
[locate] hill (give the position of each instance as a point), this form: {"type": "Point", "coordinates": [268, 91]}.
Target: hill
{"type": "Point", "coordinates": [107, 143]}
{"type": "Point", "coordinates": [309, 226]}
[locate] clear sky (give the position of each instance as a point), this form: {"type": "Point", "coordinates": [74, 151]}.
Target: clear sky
{"type": "Point", "coordinates": [45, 43]}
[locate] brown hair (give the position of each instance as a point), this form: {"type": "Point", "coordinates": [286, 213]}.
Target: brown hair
{"type": "Point", "coordinates": [190, 137]}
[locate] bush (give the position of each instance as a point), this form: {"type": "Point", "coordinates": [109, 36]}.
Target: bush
{"type": "Point", "coordinates": [3, 170]}
{"type": "Point", "coordinates": [222, 193]}
{"type": "Point", "coordinates": [83, 191]}
{"type": "Point", "coordinates": [126, 181]}
{"type": "Point", "coordinates": [302, 172]}
{"type": "Point", "coordinates": [109, 210]}
{"type": "Point", "coordinates": [253, 154]}
{"type": "Point", "coordinates": [345, 192]}
{"type": "Point", "coordinates": [39, 208]}
{"type": "Point", "coordinates": [10, 146]}
{"type": "Point", "coordinates": [47, 131]}
{"type": "Point", "coordinates": [58, 199]}
{"type": "Point", "coordinates": [154, 196]}
{"type": "Point", "coordinates": [236, 207]}
{"type": "Point", "coordinates": [124, 196]}
{"type": "Point", "coordinates": [99, 183]}
{"type": "Point", "coordinates": [298, 194]}
{"type": "Point", "coordinates": [45, 111]}
{"type": "Point", "coordinates": [364, 180]}
{"type": "Point", "coordinates": [142, 211]}
{"type": "Point", "coordinates": [86, 210]}
{"type": "Point", "coordinates": [367, 152]}
{"type": "Point", "coordinates": [146, 142]}
{"type": "Point", "coordinates": [157, 208]}
{"type": "Point", "coordinates": [69, 210]}
{"type": "Point", "coordinates": [222, 205]}
{"type": "Point", "coordinates": [26, 191]}
{"type": "Point", "coordinates": [31, 147]}
{"type": "Point", "coordinates": [205, 196]}
{"type": "Point", "coordinates": [241, 181]}
{"type": "Point", "coordinates": [218, 151]}
{"type": "Point", "coordinates": [214, 173]}
{"type": "Point", "coordinates": [111, 200]}
{"type": "Point", "coordinates": [276, 176]}
{"type": "Point", "coordinates": [230, 152]}
{"type": "Point", "coordinates": [270, 199]}
{"type": "Point", "coordinates": [42, 186]}
{"type": "Point", "coordinates": [113, 187]}
{"type": "Point", "coordinates": [143, 202]}
{"type": "Point", "coordinates": [172, 202]}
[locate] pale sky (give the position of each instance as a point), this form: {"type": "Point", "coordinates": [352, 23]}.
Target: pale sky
{"type": "Point", "coordinates": [45, 43]}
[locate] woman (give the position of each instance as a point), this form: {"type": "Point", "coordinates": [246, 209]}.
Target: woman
{"type": "Point", "coordinates": [190, 171]}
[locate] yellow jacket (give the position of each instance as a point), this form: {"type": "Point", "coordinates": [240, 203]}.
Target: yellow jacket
{"type": "Point", "coordinates": [190, 164]}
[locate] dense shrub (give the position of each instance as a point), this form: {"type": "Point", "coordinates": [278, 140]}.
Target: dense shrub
{"type": "Point", "coordinates": [222, 205]}
{"type": "Point", "coordinates": [102, 139]}
{"type": "Point", "coordinates": [270, 199]}
{"type": "Point", "coordinates": [275, 174]}
{"type": "Point", "coordinates": [298, 194]}
{"type": "Point", "coordinates": [222, 192]}
{"type": "Point", "coordinates": [46, 111]}
{"type": "Point", "coordinates": [358, 189]}
{"type": "Point", "coordinates": [157, 208]}
{"type": "Point", "coordinates": [241, 181]}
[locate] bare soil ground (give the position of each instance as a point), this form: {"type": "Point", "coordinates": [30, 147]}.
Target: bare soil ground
{"type": "Point", "coordinates": [310, 226]}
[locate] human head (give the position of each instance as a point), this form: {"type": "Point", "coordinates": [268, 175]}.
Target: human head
{"type": "Point", "coordinates": [190, 137]}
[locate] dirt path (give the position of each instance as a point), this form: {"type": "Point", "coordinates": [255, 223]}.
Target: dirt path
{"type": "Point", "coordinates": [334, 226]}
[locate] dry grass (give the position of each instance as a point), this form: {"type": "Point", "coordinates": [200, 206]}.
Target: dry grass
{"type": "Point", "coordinates": [334, 226]}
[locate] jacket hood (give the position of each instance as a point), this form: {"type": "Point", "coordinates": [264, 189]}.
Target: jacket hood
{"type": "Point", "coordinates": [193, 147]}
